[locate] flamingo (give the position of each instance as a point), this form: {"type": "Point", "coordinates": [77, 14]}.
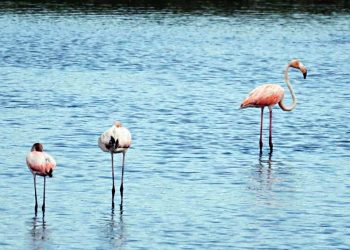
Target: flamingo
{"type": "Point", "coordinates": [116, 139]}
{"type": "Point", "coordinates": [271, 94]}
{"type": "Point", "coordinates": [40, 163]}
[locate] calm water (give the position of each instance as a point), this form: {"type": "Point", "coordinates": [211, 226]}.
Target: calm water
{"type": "Point", "coordinates": [193, 176]}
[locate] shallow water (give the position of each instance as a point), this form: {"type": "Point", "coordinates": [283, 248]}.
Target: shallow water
{"type": "Point", "coordinates": [194, 178]}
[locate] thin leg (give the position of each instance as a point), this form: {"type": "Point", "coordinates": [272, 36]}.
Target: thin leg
{"type": "Point", "coordinates": [121, 182]}
{"type": "Point", "coordinates": [270, 135]}
{"type": "Point", "coordinates": [261, 128]}
{"type": "Point", "coordinates": [36, 199]}
{"type": "Point", "coordinates": [43, 207]}
{"type": "Point", "coordinates": [113, 187]}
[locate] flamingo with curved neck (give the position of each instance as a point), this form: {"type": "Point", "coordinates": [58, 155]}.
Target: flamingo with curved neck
{"type": "Point", "coordinates": [271, 94]}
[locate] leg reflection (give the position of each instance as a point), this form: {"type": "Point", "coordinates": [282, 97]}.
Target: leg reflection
{"type": "Point", "coordinates": [38, 232]}
{"type": "Point", "coordinates": [116, 230]}
{"type": "Point", "coordinates": [265, 173]}
{"type": "Point", "coordinates": [120, 208]}
{"type": "Point", "coordinates": [268, 161]}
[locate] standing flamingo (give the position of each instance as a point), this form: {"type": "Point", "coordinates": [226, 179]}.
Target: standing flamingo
{"type": "Point", "coordinates": [271, 94]}
{"type": "Point", "coordinates": [40, 163]}
{"type": "Point", "coordinates": [116, 139]}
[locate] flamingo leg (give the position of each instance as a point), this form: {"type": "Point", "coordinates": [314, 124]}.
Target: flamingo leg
{"type": "Point", "coordinates": [36, 199]}
{"type": "Point", "coordinates": [43, 207]}
{"type": "Point", "coordinates": [121, 182]}
{"type": "Point", "coordinates": [270, 135]}
{"type": "Point", "coordinates": [113, 187]}
{"type": "Point", "coordinates": [261, 129]}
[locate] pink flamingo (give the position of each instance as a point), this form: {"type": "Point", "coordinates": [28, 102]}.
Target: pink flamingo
{"type": "Point", "coordinates": [116, 139]}
{"type": "Point", "coordinates": [271, 94]}
{"type": "Point", "coordinates": [40, 163]}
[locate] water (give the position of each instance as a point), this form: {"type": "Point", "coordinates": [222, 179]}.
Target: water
{"type": "Point", "coordinates": [175, 78]}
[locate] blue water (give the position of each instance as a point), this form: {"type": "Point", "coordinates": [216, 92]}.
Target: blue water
{"type": "Point", "coordinates": [193, 176]}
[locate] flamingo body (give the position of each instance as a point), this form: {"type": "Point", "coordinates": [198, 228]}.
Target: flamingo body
{"type": "Point", "coordinates": [264, 95]}
{"type": "Point", "coordinates": [120, 134]}
{"type": "Point", "coordinates": [40, 163]}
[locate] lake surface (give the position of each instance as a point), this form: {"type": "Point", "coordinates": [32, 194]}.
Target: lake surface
{"type": "Point", "coordinates": [175, 78]}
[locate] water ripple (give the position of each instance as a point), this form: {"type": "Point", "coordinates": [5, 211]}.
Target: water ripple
{"type": "Point", "coordinates": [193, 176]}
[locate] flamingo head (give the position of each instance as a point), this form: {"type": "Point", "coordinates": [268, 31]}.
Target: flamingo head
{"type": "Point", "coordinates": [37, 147]}
{"type": "Point", "coordinates": [118, 124]}
{"type": "Point", "coordinates": [298, 65]}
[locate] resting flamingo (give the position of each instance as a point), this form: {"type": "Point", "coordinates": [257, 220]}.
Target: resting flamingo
{"type": "Point", "coordinates": [271, 94]}
{"type": "Point", "coordinates": [116, 139]}
{"type": "Point", "coordinates": [40, 163]}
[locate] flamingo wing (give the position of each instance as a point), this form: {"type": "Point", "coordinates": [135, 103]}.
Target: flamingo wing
{"type": "Point", "coordinates": [264, 95]}
{"type": "Point", "coordinates": [103, 140]}
{"type": "Point", "coordinates": [124, 137]}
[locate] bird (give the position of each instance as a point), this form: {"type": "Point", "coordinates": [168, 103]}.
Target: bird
{"type": "Point", "coordinates": [271, 94]}
{"type": "Point", "coordinates": [116, 139]}
{"type": "Point", "coordinates": [40, 163]}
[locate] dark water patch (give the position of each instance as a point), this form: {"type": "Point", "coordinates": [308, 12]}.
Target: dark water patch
{"type": "Point", "coordinates": [192, 7]}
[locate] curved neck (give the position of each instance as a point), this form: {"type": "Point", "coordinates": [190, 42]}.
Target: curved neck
{"type": "Point", "coordinates": [294, 103]}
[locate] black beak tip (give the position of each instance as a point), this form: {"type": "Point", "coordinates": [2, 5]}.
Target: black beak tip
{"type": "Point", "coordinates": [305, 74]}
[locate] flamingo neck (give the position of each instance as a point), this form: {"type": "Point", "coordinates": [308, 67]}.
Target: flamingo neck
{"type": "Point", "coordinates": [294, 103]}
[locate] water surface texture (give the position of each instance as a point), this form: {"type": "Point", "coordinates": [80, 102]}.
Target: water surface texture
{"type": "Point", "coordinates": [175, 78]}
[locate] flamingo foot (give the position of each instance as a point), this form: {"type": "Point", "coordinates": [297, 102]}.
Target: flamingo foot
{"type": "Point", "coordinates": [121, 197]}
{"type": "Point", "coordinates": [271, 146]}
{"type": "Point", "coordinates": [260, 145]}
{"type": "Point", "coordinates": [113, 192]}
{"type": "Point", "coordinates": [121, 190]}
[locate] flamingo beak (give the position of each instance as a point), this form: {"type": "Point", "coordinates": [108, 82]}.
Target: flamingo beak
{"type": "Point", "coordinates": [305, 74]}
